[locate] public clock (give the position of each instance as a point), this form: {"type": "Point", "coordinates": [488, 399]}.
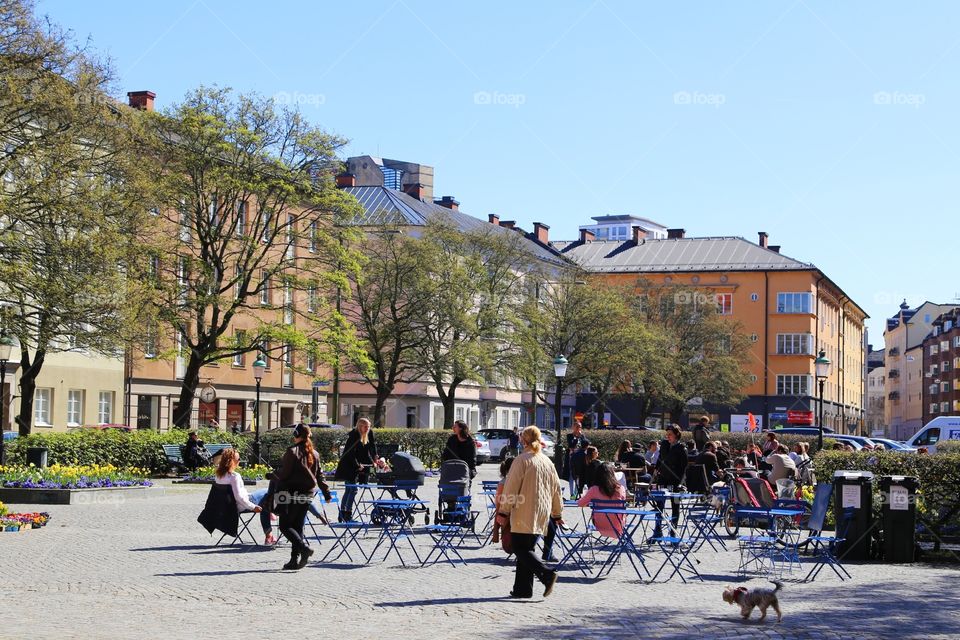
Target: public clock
{"type": "Point", "coordinates": [208, 393]}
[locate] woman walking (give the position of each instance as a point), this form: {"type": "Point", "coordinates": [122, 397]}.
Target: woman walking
{"type": "Point", "coordinates": [461, 446]}
{"type": "Point", "coordinates": [359, 456]}
{"type": "Point", "coordinates": [296, 485]}
{"type": "Point", "coordinates": [531, 497]}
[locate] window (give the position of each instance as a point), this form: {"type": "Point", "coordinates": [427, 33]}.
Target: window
{"type": "Point", "coordinates": [724, 303]}
{"type": "Point", "coordinates": [944, 407]}
{"type": "Point", "coordinates": [105, 408]}
{"type": "Point", "coordinates": [183, 276]}
{"type": "Point", "coordinates": [944, 345]}
{"type": "Point", "coordinates": [150, 342]}
{"type": "Point", "coordinates": [311, 363]}
{"type": "Point", "coordinates": [265, 289]}
{"type": "Point", "coordinates": [956, 342]}
{"type": "Point", "coordinates": [265, 232]}
{"type": "Point", "coordinates": [291, 229]}
{"type": "Point", "coordinates": [185, 225]}
{"type": "Point", "coordinates": [240, 338]}
{"type": "Point", "coordinates": [241, 229]}
{"type": "Point", "coordinates": [288, 365]}
{"type": "Point", "coordinates": [74, 407]}
{"type": "Point", "coordinates": [794, 302]}
{"type": "Point", "coordinates": [212, 218]}
{"type": "Point", "coordinates": [41, 406]}
{"type": "Point", "coordinates": [792, 344]}
{"type": "Point", "coordinates": [313, 237]}
{"type": "Point", "coordinates": [153, 268]}
{"type": "Point", "coordinates": [792, 385]}
{"type": "Point", "coordinates": [287, 303]}
{"type": "Point", "coordinates": [934, 350]}
{"type": "Point", "coordinates": [311, 299]}
{"type": "Point", "coordinates": [238, 283]}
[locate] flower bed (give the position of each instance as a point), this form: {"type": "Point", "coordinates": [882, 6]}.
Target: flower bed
{"type": "Point", "coordinates": [72, 477]}
{"type": "Point", "coordinates": [206, 475]}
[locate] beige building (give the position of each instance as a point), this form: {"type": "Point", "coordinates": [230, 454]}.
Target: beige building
{"type": "Point", "coordinates": [903, 340]}
{"type": "Point", "coordinates": [74, 389]}
{"type": "Point", "coordinates": [876, 400]}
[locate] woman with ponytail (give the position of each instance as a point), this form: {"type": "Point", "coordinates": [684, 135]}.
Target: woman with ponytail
{"type": "Point", "coordinates": [296, 486]}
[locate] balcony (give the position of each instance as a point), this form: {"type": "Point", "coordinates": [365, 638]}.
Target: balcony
{"type": "Point", "coordinates": [894, 373]}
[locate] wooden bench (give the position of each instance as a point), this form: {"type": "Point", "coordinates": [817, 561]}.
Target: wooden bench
{"type": "Point", "coordinates": [174, 453]}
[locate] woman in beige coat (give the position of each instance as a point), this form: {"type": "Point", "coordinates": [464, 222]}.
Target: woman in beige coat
{"type": "Point", "coordinates": [531, 498]}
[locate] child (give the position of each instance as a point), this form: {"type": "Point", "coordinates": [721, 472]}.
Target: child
{"type": "Point", "coordinates": [504, 470]}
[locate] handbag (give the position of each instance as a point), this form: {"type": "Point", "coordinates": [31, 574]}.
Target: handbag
{"type": "Point", "coordinates": [506, 538]}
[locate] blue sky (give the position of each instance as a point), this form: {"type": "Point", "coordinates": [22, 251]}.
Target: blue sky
{"type": "Point", "coordinates": [832, 126]}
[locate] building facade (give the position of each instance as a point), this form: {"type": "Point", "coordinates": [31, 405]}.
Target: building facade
{"type": "Point", "coordinates": [903, 341]}
{"type": "Point", "coordinates": [876, 392]}
{"type": "Point", "coordinates": [790, 310]}
{"type": "Point", "coordinates": [621, 227]}
{"type": "Point", "coordinates": [941, 360]}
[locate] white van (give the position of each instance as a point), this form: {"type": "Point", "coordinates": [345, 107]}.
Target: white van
{"type": "Point", "coordinates": [940, 428]}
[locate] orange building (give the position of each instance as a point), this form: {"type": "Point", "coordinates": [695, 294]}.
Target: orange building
{"type": "Point", "coordinates": [790, 310]}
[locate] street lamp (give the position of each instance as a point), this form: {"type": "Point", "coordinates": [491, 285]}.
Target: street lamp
{"type": "Point", "coordinates": [6, 348]}
{"type": "Point", "coordinates": [822, 367]}
{"type": "Point", "coordinates": [259, 366]}
{"type": "Point", "coordinates": [560, 371]}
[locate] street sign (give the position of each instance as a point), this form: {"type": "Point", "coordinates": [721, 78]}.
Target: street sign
{"type": "Point", "coordinates": [319, 384]}
{"type": "Point", "coordinates": [800, 417]}
{"type": "Point", "coordinates": [695, 402]}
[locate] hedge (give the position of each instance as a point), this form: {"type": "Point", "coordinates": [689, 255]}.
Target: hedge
{"type": "Point", "coordinates": [948, 446]}
{"type": "Point", "coordinates": [426, 444]}
{"type": "Point", "coordinates": [122, 449]}
{"type": "Point", "coordinates": [939, 476]}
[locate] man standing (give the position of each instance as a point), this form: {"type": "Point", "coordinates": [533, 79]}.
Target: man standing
{"type": "Point", "coordinates": [576, 463]}
{"type": "Point", "coordinates": [700, 432]}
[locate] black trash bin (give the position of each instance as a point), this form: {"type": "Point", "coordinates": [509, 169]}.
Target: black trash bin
{"type": "Point", "coordinates": [899, 512]}
{"type": "Point", "coordinates": [854, 490]}
{"type": "Point", "coordinates": [37, 456]}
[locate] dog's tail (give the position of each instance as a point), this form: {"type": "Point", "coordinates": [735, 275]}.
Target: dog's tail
{"type": "Point", "coordinates": [777, 584]}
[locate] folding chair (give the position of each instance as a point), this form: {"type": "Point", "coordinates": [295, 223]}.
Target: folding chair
{"type": "Point", "coordinates": [220, 514]}
{"type": "Point", "coordinates": [677, 552]}
{"type": "Point", "coordinates": [755, 555]}
{"type": "Point", "coordinates": [572, 543]}
{"type": "Point", "coordinates": [394, 529]}
{"type": "Point", "coordinates": [703, 522]}
{"type": "Point", "coordinates": [345, 535]}
{"type": "Point", "coordinates": [244, 518]}
{"type": "Point", "coordinates": [824, 549]}
{"type": "Point", "coordinates": [461, 515]}
{"type": "Point", "coordinates": [443, 536]}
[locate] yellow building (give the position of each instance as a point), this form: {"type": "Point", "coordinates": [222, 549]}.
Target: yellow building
{"type": "Point", "coordinates": [790, 310]}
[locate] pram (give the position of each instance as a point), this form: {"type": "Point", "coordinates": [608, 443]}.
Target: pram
{"type": "Point", "coordinates": [747, 492]}
{"type": "Point", "coordinates": [405, 476]}
{"type": "Point", "coordinates": [454, 497]}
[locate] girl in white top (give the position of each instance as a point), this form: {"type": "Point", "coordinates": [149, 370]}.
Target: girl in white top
{"type": "Point", "coordinates": [227, 474]}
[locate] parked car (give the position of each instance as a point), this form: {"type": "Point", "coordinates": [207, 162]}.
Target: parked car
{"type": "Point", "coordinates": [10, 435]}
{"type": "Point", "coordinates": [892, 445]}
{"type": "Point", "coordinates": [499, 442]}
{"type": "Point", "coordinates": [940, 428]}
{"type": "Point", "coordinates": [483, 448]}
{"type": "Point", "coordinates": [801, 431]}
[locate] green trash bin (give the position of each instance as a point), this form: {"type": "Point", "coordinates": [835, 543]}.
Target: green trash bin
{"type": "Point", "coordinates": [899, 516]}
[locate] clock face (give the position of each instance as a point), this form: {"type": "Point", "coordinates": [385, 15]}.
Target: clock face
{"type": "Point", "coordinates": [208, 394]}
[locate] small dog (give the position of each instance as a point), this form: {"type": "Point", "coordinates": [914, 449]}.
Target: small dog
{"type": "Point", "coordinates": [750, 598]}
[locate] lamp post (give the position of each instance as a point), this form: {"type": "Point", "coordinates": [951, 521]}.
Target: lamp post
{"type": "Point", "coordinates": [6, 347]}
{"type": "Point", "coordinates": [822, 367]}
{"type": "Point", "coordinates": [259, 366]}
{"type": "Point", "coordinates": [560, 371]}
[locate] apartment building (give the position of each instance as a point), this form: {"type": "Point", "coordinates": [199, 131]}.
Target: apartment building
{"type": "Point", "coordinates": [789, 309]}
{"type": "Point", "coordinates": [903, 340]}
{"type": "Point", "coordinates": [941, 361]}
{"type": "Point", "coordinates": [876, 392]}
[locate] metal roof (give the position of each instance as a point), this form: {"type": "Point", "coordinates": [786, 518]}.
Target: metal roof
{"type": "Point", "coordinates": [677, 254]}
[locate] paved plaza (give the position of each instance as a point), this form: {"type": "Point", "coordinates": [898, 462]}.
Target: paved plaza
{"type": "Point", "coordinates": [146, 569]}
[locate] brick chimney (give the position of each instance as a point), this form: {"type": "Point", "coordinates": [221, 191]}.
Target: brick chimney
{"type": "Point", "coordinates": [449, 202]}
{"type": "Point", "coordinates": [676, 234]}
{"type": "Point", "coordinates": [541, 232]}
{"type": "Point", "coordinates": [346, 180]}
{"type": "Point", "coordinates": [775, 248]}
{"type": "Point", "coordinates": [587, 236]}
{"type": "Point", "coordinates": [764, 239]}
{"type": "Point", "coordinates": [142, 100]}
{"type": "Point", "coordinates": [508, 224]}
{"type": "Point", "coordinates": [414, 190]}
{"type": "Point", "coordinates": [639, 235]}
{"type": "Point", "coordinates": [493, 219]}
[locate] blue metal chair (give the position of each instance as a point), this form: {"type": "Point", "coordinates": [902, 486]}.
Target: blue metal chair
{"type": "Point", "coordinates": [677, 553]}
{"type": "Point", "coordinates": [702, 522]}
{"type": "Point", "coordinates": [444, 537]}
{"type": "Point", "coordinates": [824, 549]}
{"type": "Point", "coordinates": [346, 535]}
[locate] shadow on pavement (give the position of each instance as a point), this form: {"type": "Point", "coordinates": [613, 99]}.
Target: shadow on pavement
{"type": "Point", "coordinates": [440, 602]}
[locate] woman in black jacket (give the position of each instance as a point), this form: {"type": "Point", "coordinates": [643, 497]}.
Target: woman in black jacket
{"type": "Point", "coordinates": [671, 469]}
{"type": "Point", "coordinates": [359, 456]}
{"type": "Point", "coordinates": [461, 446]}
{"type": "Point", "coordinates": [296, 485]}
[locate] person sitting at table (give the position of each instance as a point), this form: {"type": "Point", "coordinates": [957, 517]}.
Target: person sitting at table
{"type": "Point", "coordinates": [607, 488]}
{"type": "Point", "coordinates": [708, 458]}
{"type": "Point", "coordinates": [770, 444]}
{"type": "Point", "coordinates": [359, 456]}
{"type": "Point", "coordinates": [723, 453]}
{"type": "Point", "coordinates": [652, 454]}
{"type": "Point", "coordinates": [624, 451]}
{"type": "Point", "coordinates": [781, 466]}
{"type": "Point", "coordinates": [592, 468]}
{"type": "Point", "coordinates": [754, 455]}
{"type": "Point", "coordinates": [227, 474]}
{"type": "Point", "coordinates": [692, 451]}
{"type": "Point", "coordinates": [743, 469]}
{"type": "Point", "coordinates": [194, 453]}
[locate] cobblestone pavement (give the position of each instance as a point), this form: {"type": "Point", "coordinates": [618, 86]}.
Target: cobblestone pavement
{"type": "Point", "coordinates": [145, 569]}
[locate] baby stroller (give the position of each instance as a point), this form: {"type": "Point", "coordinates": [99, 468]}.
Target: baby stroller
{"type": "Point", "coordinates": [454, 498]}
{"type": "Point", "coordinates": [404, 478]}
{"type": "Point", "coordinates": [747, 492]}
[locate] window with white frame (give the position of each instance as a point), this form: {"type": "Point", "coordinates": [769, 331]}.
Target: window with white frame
{"type": "Point", "coordinates": [241, 338]}
{"type": "Point", "coordinates": [74, 407]}
{"type": "Point", "coordinates": [186, 231]}
{"type": "Point", "coordinates": [265, 288]}
{"type": "Point", "coordinates": [794, 344]}
{"type": "Point", "coordinates": [105, 408]}
{"type": "Point", "coordinates": [794, 302]}
{"type": "Point", "coordinates": [150, 341]}
{"type": "Point", "coordinates": [314, 238]}
{"type": "Point", "coordinates": [183, 276]}
{"type": "Point", "coordinates": [944, 407]}
{"type": "Point", "coordinates": [724, 303]}
{"type": "Point", "coordinates": [311, 362]}
{"type": "Point", "coordinates": [241, 220]}
{"type": "Point", "coordinates": [311, 299]}
{"type": "Point", "coordinates": [41, 406]}
{"type": "Point", "coordinates": [291, 232]}
{"type": "Point", "coordinates": [265, 233]}
{"type": "Point", "coordinates": [793, 385]}
{"type": "Point", "coordinates": [944, 345]}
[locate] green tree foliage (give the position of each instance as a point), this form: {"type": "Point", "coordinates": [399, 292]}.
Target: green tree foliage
{"type": "Point", "coordinates": [250, 207]}
{"type": "Point", "coordinates": [70, 201]}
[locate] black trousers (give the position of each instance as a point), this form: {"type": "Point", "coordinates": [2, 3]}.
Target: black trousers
{"type": "Point", "coordinates": [291, 524]}
{"type": "Point", "coordinates": [549, 539]}
{"type": "Point", "coordinates": [528, 564]}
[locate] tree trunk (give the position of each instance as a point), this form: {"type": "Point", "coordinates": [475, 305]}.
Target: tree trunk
{"type": "Point", "coordinates": [379, 412]}
{"type": "Point", "coordinates": [28, 387]}
{"type": "Point", "coordinates": [191, 378]}
{"type": "Point", "coordinates": [448, 397]}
